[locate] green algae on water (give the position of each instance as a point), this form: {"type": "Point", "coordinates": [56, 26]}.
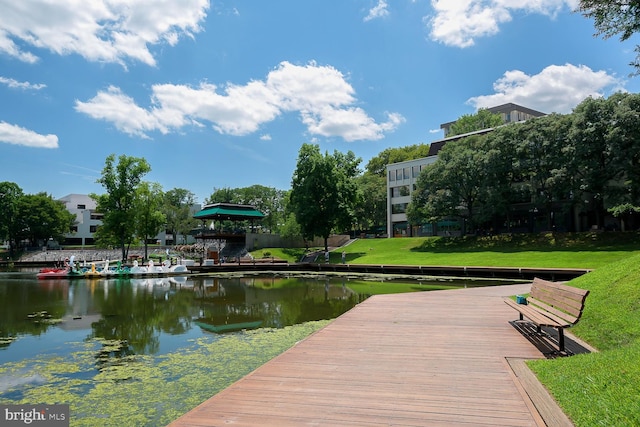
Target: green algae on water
{"type": "Point", "coordinates": [146, 390]}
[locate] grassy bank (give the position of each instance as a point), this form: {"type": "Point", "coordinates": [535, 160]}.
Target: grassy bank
{"type": "Point", "coordinates": [559, 250]}
{"type": "Point", "coordinates": [540, 250]}
{"type": "Point", "coordinates": [602, 389]}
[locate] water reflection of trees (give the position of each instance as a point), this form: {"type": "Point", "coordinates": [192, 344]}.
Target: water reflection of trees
{"type": "Point", "coordinates": [29, 308]}
{"type": "Point", "coordinates": [277, 302]}
{"type": "Point", "coordinates": [135, 317]}
{"type": "Point", "coordinates": [127, 317]}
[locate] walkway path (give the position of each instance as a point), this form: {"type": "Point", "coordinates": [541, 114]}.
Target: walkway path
{"type": "Point", "coordinates": [435, 358]}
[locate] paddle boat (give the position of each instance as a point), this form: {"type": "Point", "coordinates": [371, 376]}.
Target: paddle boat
{"type": "Point", "coordinates": [178, 268]}
{"type": "Point", "coordinates": [137, 269]}
{"type": "Point", "coordinates": [68, 271]}
{"type": "Point", "coordinates": [109, 271]}
{"type": "Point", "coordinates": [59, 273]}
{"type": "Point", "coordinates": [98, 270]}
{"type": "Point", "coordinates": [118, 270]}
{"type": "Point", "coordinates": [154, 269]}
{"type": "Point", "coordinates": [92, 273]}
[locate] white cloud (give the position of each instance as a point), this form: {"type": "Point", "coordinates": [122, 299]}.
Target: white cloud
{"type": "Point", "coordinates": [557, 88]}
{"type": "Point", "coordinates": [15, 84]}
{"type": "Point", "coordinates": [378, 11]}
{"type": "Point", "coordinates": [351, 124]}
{"type": "Point", "coordinates": [460, 22]}
{"type": "Point", "coordinates": [17, 135]}
{"type": "Point", "coordinates": [9, 47]}
{"type": "Point", "coordinates": [320, 94]}
{"type": "Point", "coordinates": [121, 110]}
{"type": "Point", "coordinates": [98, 30]}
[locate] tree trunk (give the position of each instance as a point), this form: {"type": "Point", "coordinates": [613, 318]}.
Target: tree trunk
{"type": "Point", "coordinates": [124, 251]}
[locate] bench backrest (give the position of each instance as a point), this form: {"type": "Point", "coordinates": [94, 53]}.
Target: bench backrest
{"type": "Point", "coordinates": [565, 303]}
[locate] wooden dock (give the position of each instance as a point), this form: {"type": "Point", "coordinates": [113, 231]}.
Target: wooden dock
{"type": "Point", "coordinates": [440, 358]}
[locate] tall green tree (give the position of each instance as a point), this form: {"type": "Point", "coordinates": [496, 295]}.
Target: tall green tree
{"type": "Point", "coordinates": [290, 227]}
{"type": "Point", "coordinates": [504, 182]}
{"type": "Point", "coordinates": [542, 160]}
{"type": "Point", "coordinates": [10, 193]}
{"type": "Point", "coordinates": [345, 167]}
{"type": "Point", "coordinates": [323, 192]}
{"type": "Point", "coordinates": [267, 200]}
{"type": "Point", "coordinates": [178, 203]}
{"type": "Point", "coordinates": [615, 17]}
{"type": "Point", "coordinates": [224, 195]}
{"type": "Point", "coordinates": [41, 218]}
{"type": "Point", "coordinates": [593, 153]}
{"type": "Point", "coordinates": [377, 165]}
{"type": "Point", "coordinates": [625, 142]}
{"type": "Point", "coordinates": [621, 155]}
{"type": "Point", "coordinates": [148, 205]}
{"type": "Point", "coordinates": [371, 209]}
{"type": "Point", "coordinates": [452, 186]}
{"type": "Point", "coordinates": [118, 205]}
{"type": "Point", "coordinates": [483, 119]}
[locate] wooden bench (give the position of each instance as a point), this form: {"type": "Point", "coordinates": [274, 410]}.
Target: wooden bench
{"type": "Point", "coordinates": [552, 304]}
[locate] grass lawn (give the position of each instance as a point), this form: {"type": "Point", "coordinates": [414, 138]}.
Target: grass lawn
{"type": "Point", "coordinates": [559, 250]}
{"type": "Point", "coordinates": [587, 250]}
{"type": "Point", "coordinates": [289, 254]}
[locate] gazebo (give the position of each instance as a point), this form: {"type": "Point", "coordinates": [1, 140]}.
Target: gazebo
{"type": "Point", "coordinates": [225, 212]}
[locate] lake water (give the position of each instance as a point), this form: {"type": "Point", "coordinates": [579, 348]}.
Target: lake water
{"type": "Point", "coordinates": [140, 352]}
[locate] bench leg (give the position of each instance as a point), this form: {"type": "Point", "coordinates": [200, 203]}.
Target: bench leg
{"type": "Point", "coordinates": [521, 316]}
{"type": "Point", "coordinates": [561, 339]}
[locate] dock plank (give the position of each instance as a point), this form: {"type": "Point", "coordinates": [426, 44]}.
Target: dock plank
{"type": "Point", "coordinates": [420, 359]}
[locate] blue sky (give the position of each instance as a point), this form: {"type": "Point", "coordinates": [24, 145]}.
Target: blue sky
{"type": "Point", "coordinates": [218, 94]}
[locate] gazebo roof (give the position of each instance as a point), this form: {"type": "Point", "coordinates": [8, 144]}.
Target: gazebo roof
{"type": "Point", "coordinates": [230, 211]}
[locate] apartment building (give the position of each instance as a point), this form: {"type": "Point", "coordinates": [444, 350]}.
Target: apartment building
{"type": "Point", "coordinates": [88, 220]}
{"type": "Point", "coordinates": [402, 177]}
{"type": "Point", "coordinates": [510, 113]}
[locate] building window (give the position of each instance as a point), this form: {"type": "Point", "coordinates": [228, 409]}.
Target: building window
{"type": "Point", "coordinates": [415, 171]}
{"type": "Point", "coordinates": [399, 208]}
{"type": "Point", "coordinates": [392, 175]}
{"type": "Point", "coordinates": [407, 173]}
{"type": "Point", "coordinates": [93, 228]}
{"type": "Point", "coordinates": [403, 190]}
{"type": "Point", "coordinates": [74, 229]}
{"type": "Point", "coordinates": [81, 207]}
{"type": "Point", "coordinates": [398, 174]}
